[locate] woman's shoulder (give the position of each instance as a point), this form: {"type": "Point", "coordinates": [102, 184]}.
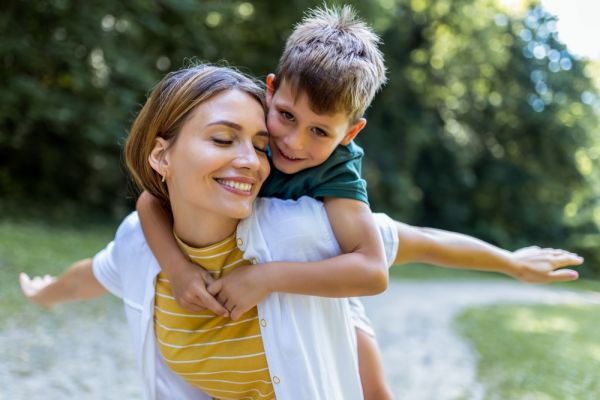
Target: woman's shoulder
{"type": "Point", "coordinates": [269, 206]}
{"type": "Point", "coordinates": [288, 227]}
{"type": "Point", "coordinates": [300, 214]}
{"type": "Point", "coordinates": [130, 228]}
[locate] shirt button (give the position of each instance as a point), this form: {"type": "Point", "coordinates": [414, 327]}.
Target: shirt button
{"type": "Point", "coordinates": [263, 323]}
{"type": "Point", "coordinates": [254, 261]}
{"type": "Point", "coordinates": [240, 242]}
{"type": "Point", "coordinates": [276, 380]}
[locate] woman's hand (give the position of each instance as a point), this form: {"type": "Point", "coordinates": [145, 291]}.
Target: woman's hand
{"type": "Point", "coordinates": [537, 265]}
{"type": "Point", "coordinates": [32, 288]}
{"type": "Point", "coordinates": [242, 289]}
{"type": "Point", "coordinates": [189, 287]}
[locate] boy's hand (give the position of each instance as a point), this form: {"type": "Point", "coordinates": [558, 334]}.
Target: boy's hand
{"type": "Point", "coordinates": [537, 265]}
{"type": "Point", "coordinates": [241, 290]}
{"type": "Point", "coordinates": [189, 287]}
{"type": "Point", "coordinates": [31, 288]}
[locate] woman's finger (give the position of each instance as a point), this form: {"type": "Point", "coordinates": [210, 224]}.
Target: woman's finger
{"type": "Point", "coordinates": [564, 275]}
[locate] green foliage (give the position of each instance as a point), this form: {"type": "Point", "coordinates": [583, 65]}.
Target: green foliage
{"type": "Point", "coordinates": [535, 352]}
{"type": "Point", "coordinates": [492, 137]}
{"type": "Point", "coordinates": [486, 126]}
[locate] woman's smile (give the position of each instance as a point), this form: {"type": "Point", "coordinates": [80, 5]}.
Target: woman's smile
{"type": "Point", "coordinates": [238, 185]}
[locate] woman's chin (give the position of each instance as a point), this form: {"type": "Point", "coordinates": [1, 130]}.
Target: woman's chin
{"type": "Point", "coordinates": [241, 211]}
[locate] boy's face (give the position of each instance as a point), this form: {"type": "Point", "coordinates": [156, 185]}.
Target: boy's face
{"type": "Point", "coordinates": [301, 138]}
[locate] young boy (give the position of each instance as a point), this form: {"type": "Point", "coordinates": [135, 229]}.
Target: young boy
{"type": "Point", "coordinates": [328, 74]}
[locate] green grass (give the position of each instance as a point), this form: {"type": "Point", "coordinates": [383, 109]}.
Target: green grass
{"type": "Point", "coordinates": [536, 352]}
{"type": "Point", "coordinates": [38, 249]}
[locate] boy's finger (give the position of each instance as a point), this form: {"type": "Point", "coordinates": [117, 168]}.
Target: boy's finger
{"type": "Point", "coordinates": [212, 304]}
{"type": "Point", "coordinates": [236, 313]}
{"type": "Point", "coordinates": [208, 279]}
{"type": "Point", "coordinates": [215, 287]}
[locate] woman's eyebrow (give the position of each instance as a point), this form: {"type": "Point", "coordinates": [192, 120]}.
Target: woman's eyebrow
{"type": "Point", "coordinates": [235, 126]}
{"type": "Point", "coordinates": [230, 124]}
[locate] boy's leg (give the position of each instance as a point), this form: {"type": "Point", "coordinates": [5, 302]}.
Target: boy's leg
{"type": "Point", "coordinates": [370, 367]}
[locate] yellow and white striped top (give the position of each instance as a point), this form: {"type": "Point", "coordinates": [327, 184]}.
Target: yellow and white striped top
{"type": "Point", "coordinates": [224, 358]}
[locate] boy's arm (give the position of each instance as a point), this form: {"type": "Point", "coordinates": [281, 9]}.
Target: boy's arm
{"type": "Point", "coordinates": [188, 280]}
{"type": "Point", "coordinates": [361, 271]}
{"type": "Point", "coordinates": [76, 283]}
{"type": "Point", "coordinates": [455, 250]}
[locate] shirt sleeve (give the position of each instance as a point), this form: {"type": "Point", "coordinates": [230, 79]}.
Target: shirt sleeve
{"type": "Point", "coordinates": [389, 235]}
{"type": "Point", "coordinates": [108, 262]}
{"type": "Point", "coordinates": [343, 180]}
{"type": "Point", "coordinates": [105, 269]}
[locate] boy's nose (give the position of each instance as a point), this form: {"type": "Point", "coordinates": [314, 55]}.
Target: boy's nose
{"type": "Point", "coordinates": [294, 140]}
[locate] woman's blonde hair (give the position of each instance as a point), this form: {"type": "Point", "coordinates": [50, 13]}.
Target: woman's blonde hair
{"type": "Point", "coordinates": [166, 110]}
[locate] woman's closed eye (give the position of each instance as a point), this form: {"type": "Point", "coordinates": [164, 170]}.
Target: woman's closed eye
{"type": "Point", "coordinates": [222, 142]}
{"type": "Point", "coordinates": [261, 143]}
{"type": "Point", "coordinates": [262, 149]}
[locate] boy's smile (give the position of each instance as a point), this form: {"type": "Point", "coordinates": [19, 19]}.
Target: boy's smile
{"type": "Point", "coordinates": [301, 138]}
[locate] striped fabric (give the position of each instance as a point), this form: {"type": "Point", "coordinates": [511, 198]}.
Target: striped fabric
{"type": "Point", "coordinates": [224, 358]}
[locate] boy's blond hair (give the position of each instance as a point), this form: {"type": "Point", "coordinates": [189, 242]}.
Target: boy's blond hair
{"type": "Point", "coordinates": [333, 57]}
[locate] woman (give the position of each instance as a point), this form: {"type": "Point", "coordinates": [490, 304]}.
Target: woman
{"type": "Point", "coordinates": [199, 145]}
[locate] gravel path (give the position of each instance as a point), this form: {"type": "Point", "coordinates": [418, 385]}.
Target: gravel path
{"type": "Point", "coordinates": [56, 357]}
{"type": "Point", "coordinates": [424, 359]}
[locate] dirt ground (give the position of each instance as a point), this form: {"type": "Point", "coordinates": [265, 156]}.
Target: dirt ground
{"type": "Point", "coordinates": [82, 351]}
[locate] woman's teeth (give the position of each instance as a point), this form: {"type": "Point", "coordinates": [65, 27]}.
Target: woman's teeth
{"type": "Point", "coordinates": [246, 187]}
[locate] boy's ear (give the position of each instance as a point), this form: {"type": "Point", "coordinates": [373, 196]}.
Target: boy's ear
{"type": "Point", "coordinates": [353, 131]}
{"type": "Point", "coordinates": [158, 159]}
{"type": "Point", "coordinates": [270, 88]}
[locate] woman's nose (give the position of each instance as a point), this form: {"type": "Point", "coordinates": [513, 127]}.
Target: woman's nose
{"type": "Point", "coordinates": [247, 157]}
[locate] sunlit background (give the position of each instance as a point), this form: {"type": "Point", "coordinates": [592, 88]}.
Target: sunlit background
{"type": "Point", "coordinates": [489, 125]}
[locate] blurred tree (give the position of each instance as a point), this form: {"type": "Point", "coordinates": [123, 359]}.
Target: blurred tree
{"type": "Point", "coordinates": [486, 115]}
{"type": "Point", "coordinates": [75, 74]}
{"type": "Point", "coordinates": [486, 126]}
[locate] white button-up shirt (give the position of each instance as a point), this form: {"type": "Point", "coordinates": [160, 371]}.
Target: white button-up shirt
{"type": "Point", "coordinates": [309, 341]}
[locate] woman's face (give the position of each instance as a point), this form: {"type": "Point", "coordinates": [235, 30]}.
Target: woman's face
{"type": "Point", "coordinates": [218, 162]}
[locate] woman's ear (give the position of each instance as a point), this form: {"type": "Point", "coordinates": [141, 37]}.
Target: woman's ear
{"type": "Point", "coordinates": [158, 159]}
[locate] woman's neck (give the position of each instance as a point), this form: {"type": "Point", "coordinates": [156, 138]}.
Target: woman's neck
{"type": "Point", "coordinates": [201, 229]}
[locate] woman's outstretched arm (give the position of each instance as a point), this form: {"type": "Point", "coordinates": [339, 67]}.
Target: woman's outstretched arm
{"type": "Point", "coordinates": [76, 283]}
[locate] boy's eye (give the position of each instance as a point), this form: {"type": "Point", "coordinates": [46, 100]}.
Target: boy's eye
{"type": "Point", "coordinates": [287, 115]}
{"type": "Point", "coordinates": [319, 132]}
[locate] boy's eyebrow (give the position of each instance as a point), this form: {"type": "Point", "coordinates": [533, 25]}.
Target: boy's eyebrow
{"type": "Point", "coordinates": [235, 126]}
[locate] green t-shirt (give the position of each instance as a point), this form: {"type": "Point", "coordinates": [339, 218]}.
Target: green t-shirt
{"type": "Point", "coordinates": [339, 176]}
